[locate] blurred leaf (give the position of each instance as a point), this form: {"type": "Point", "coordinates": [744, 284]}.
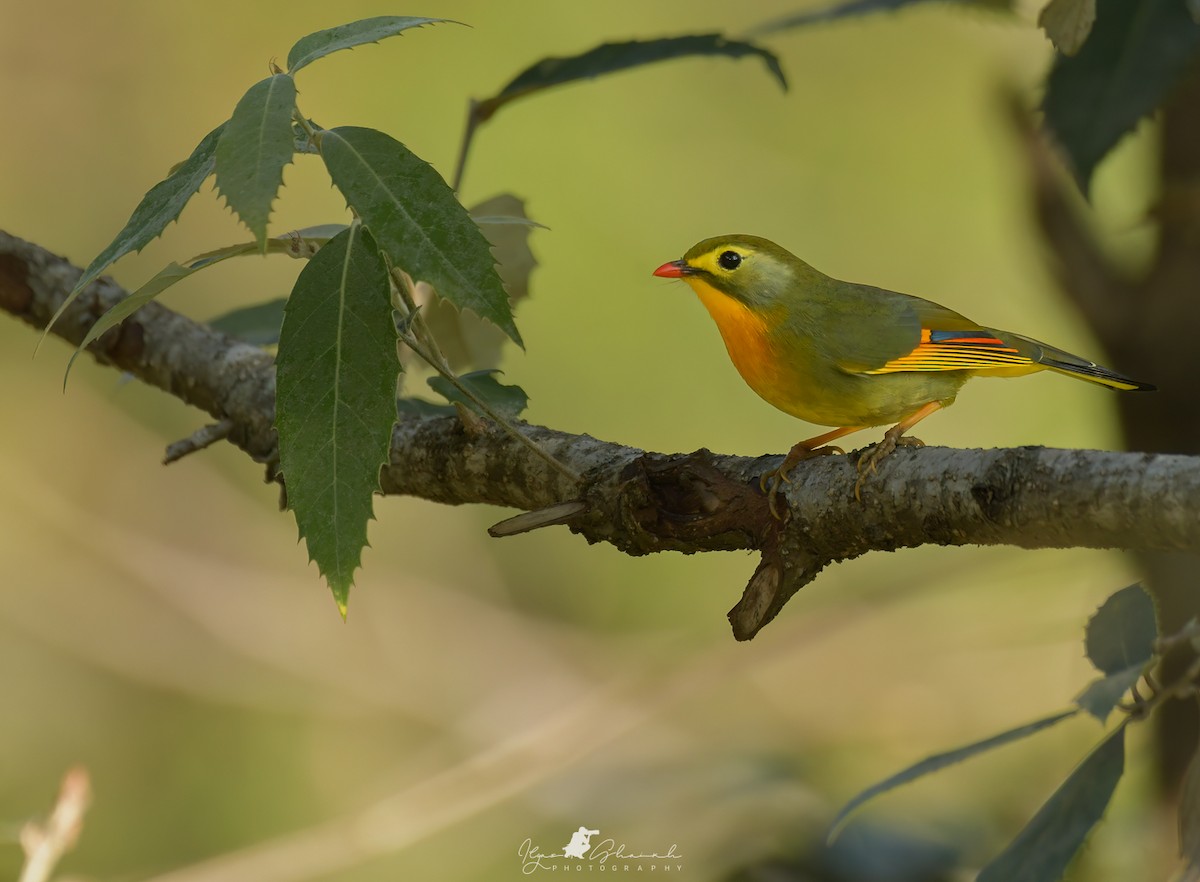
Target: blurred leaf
{"type": "Point", "coordinates": [1194, 8]}
{"type": "Point", "coordinates": [612, 57]}
{"type": "Point", "coordinates": [508, 400]}
{"type": "Point", "coordinates": [1102, 694]}
{"type": "Point", "coordinates": [466, 341]}
{"type": "Point", "coordinates": [1134, 55]}
{"type": "Point", "coordinates": [1043, 850]}
{"type": "Point", "coordinates": [1120, 643]}
{"type": "Point", "coordinates": [422, 409]}
{"type": "Point", "coordinates": [872, 853]}
{"type": "Point", "coordinates": [417, 221]}
{"type": "Point", "coordinates": [1067, 23]}
{"type": "Point", "coordinates": [940, 761]}
{"type": "Point", "coordinates": [1189, 823]}
{"type": "Point", "coordinates": [503, 219]}
{"type": "Point", "coordinates": [252, 151]}
{"type": "Point", "coordinates": [356, 33]}
{"type": "Point", "coordinates": [1121, 634]}
{"type": "Point", "coordinates": [336, 377]}
{"type": "Point", "coordinates": [509, 240]}
{"type": "Point", "coordinates": [158, 208]}
{"type": "Point", "coordinates": [851, 8]}
{"type": "Point", "coordinates": [258, 325]}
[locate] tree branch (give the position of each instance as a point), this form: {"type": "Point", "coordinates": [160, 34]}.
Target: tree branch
{"type": "Point", "coordinates": [647, 502]}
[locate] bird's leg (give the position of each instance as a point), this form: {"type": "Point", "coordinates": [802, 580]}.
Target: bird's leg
{"type": "Point", "coordinates": [772, 481]}
{"type": "Point", "coordinates": [892, 438]}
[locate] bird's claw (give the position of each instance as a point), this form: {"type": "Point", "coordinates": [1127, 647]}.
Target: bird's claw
{"type": "Point", "coordinates": [868, 463]}
{"type": "Point", "coordinates": [771, 482]}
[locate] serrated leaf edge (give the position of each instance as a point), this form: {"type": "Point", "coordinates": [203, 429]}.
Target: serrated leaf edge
{"type": "Point", "coordinates": [260, 236]}
{"type": "Point", "coordinates": [511, 330]}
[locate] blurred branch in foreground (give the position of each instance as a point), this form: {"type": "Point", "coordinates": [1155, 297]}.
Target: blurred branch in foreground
{"type": "Point", "coordinates": [45, 844]}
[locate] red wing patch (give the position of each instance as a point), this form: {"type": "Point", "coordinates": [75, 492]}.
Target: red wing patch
{"type": "Point", "coordinates": [956, 351]}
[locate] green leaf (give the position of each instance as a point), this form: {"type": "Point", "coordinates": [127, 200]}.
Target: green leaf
{"type": "Point", "coordinates": [1120, 642]}
{"type": "Point", "coordinates": [299, 244]}
{"type": "Point", "coordinates": [209, 258]}
{"type": "Point", "coordinates": [161, 281]}
{"type": "Point", "coordinates": [939, 761]}
{"type": "Point", "coordinates": [1067, 23]}
{"type": "Point", "coordinates": [852, 8]}
{"type": "Point", "coordinates": [252, 151]}
{"type": "Point", "coordinates": [506, 220]}
{"type": "Point", "coordinates": [1121, 634]}
{"type": "Point", "coordinates": [258, 325]}
{"type": "Point", "coordinates": [122, 309]}
{"type": "Point", "coordinates": [419, 408]}
{"type": "Point", "coordinates": [336, 400]}
{"type": "Point", "coordinates": [508, 400]}
{"type": "Point", "coordinates": [417, 221]}
{"type": "Point", "coordinates": [1103, 693]}
{"type": "Point", "coordinates": [612, 57]}
{"type": "Point", "coordinates": [1135, 54]}
{"type": "Point", "coordinates": [356, 33]}
{"type": "Point", "coordinates": [1043, 850]}
{"type": "Point", "coordinates": [158, 208]}
{"type": "Point", "coordinates": [302, 141]}
{"type": "Point", "coordinates": [317, 233]}
{"type": "Point", "coordinates": [867, 853]}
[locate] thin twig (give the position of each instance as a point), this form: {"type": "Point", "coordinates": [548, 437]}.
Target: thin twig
{"type": "Point", "coordinates": [421, 341]}
{"type": "Point", "coordinates": [45, 844]}
{"type": "Point", "coordinates": [500, 420]}
{"type": "Point", "coordinates": [203, 437]}
{"type": "Point", "coordinates": [645, 503]}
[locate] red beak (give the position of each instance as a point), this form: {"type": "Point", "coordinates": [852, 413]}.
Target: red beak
{"type": "Point", "coordinates": [676, 269]}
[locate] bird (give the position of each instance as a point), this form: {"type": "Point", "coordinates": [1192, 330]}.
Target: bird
{"type": "Point", "coordinates": [851, 356]}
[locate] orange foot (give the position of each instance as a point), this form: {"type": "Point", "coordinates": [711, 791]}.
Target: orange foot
{"type": "Point", "coordinates": [771, 482]}
{"type": "Point", "coordinates": [868, 463]}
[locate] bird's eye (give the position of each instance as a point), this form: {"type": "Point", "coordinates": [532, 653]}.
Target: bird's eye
{"type": "Point", "coordinates": [730, 260]}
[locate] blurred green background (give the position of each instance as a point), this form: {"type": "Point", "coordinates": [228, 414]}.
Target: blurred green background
{"type": "Point", "coordinates": [162, 627]}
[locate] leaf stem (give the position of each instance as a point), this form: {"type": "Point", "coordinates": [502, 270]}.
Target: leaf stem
{"type": "Point", "coordinates": [404, 286]}
{"type": "Point", "coordinates": [422, 342]}
{"type": "Point", "coordinates": [468, 136]}
{"type": "Point", "coordinates": [304, 123]}
{"type": "Point", "coordinates": [438, 363]}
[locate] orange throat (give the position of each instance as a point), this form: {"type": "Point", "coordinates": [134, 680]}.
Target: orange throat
{"type": "Point", "coordinates": [747, 339]}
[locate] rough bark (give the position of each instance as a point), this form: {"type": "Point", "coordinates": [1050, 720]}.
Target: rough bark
{"type": "Point", "coordinates": [647, 502]}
